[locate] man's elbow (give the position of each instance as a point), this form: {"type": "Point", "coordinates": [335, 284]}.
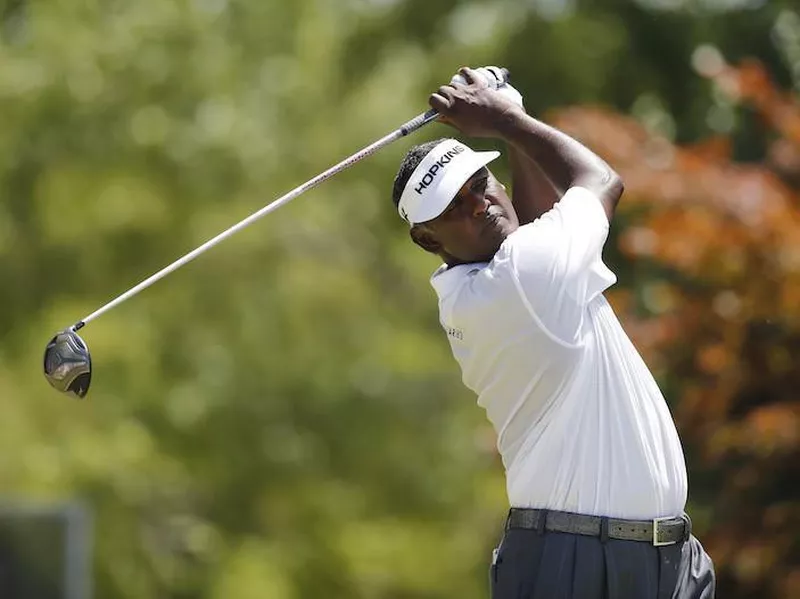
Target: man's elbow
{"type": "Point", "coordinates": [612, 193]}
{"type": "Point", "coordinates": [608, 186]}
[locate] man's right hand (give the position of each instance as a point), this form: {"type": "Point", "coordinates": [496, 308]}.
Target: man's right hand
{"type": "Point", "coordinates": [474, 108]}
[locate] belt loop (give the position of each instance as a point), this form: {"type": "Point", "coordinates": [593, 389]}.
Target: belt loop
{"type": "Point", "coordinates": [507, 525]}
{"type": "Point", "coordinates": [604, 530]}
{"type": "Point", "coordinates": [542, 524]}
{"type": "Point", "coordinates": [687, 527]}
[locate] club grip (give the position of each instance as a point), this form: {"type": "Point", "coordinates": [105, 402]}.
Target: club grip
{"type": "Point", "coordinates": [418, 121]}
{"type": "Point", "coordinates": [497, 77]}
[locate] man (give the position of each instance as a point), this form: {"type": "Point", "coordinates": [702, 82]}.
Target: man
{"type": "Point", "coordinates": [595, 471]}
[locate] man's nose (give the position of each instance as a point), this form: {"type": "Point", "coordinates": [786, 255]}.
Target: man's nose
{"type": "Point", "coordinates": [479, 204]}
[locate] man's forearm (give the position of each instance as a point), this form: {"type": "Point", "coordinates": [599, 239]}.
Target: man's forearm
{"type": "Point", "coordinates": [565, 160]}
{"type": "Point", "coordinates": [533, 192]}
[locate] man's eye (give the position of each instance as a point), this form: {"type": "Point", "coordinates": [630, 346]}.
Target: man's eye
{"type": "Point", "coordinates": [453, 205]}
{"type": "Point", "coordinates": [480, 185]}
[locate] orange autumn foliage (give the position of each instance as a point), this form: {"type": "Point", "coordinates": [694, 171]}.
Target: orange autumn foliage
{"type": "Point", "coordinates": [712, 260]}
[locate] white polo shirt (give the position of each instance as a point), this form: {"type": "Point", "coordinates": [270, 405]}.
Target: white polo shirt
{"type": "Point", "coordinates": [581, 424]}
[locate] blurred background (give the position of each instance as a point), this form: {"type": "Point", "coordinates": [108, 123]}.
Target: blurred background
{"type": "Point", "coordinates": [282, 418]}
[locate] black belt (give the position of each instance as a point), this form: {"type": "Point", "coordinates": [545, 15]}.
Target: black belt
{"type": "Point", "coordinates": [658, 531]}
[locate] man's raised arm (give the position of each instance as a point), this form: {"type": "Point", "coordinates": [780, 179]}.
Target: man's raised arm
{"type": "Point", "coordinates": [483, 112]}
{"type": "Point", "coordinates": [533, 192]}
{"type": "Point", "coordinates": [566, 161]}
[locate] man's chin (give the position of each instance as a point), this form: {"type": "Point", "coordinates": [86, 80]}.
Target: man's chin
{"type": "Point", "coordinates": [497, 241]}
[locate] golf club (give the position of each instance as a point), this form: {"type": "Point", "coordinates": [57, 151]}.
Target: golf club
{"type": "Point", "coordinates": [67, 362]}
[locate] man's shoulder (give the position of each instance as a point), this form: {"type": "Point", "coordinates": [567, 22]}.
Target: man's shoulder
{"type": "Point", "coordinates": [483, 290]}
{"type": "Point", "coordinates": [577, 205]}
{"type": "Point", "coordinates": [447, 280]}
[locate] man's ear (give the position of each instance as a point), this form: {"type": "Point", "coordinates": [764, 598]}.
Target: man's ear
{"type": "Point", "coordinates": [424, 238]}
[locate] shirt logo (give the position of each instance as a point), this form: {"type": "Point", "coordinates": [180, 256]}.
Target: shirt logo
{"type": "Point", "coordinates": [455, 333]}
{"type": "Point", "coordinates": [428, 177]}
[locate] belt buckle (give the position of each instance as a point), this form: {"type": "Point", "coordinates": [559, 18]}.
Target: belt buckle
{"type": "Point", "coordinates": [656, 522]}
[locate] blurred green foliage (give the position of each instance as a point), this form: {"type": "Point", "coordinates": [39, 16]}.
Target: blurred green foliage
{"type": "Point", "coordinates": [282, 418]}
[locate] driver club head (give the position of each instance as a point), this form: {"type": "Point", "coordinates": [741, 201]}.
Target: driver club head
{"type": "Point", "coordinates": [67, 364]}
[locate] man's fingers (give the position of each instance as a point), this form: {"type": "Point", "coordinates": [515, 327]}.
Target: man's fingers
{"type": "Point", "coordinates": [442, 99]}
{"type": "Point", "coordinates": [442, 105]}
{"type": "Point", "coordinates": [439, 102]}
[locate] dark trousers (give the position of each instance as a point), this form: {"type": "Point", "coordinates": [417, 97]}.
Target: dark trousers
{"type": "Point", "coordinates": [555, 565]}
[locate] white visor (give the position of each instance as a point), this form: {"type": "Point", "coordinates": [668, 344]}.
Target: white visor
{"type": "Point", "coordinates": [437, 179]}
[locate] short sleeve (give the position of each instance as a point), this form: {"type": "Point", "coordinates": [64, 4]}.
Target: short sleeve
{"type": "Point", "coordinates": [557, 262]}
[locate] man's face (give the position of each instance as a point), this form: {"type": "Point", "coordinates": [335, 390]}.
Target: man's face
{"type": "Point", "coordinates": [473, 225]}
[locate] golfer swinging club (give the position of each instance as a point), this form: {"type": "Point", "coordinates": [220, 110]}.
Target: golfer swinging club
{"type": "Point", "coordinates": [595, 472]}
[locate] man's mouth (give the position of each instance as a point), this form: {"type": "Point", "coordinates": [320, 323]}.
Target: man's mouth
{"type": "Point", "coordinates": [492, 222]}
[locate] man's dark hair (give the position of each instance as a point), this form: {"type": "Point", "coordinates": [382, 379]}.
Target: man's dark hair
{"type": "Point", "coordinates": [411, 161]}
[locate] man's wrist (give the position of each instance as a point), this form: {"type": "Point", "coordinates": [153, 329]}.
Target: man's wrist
{"type": "Point", "coordinates": [511, 122]}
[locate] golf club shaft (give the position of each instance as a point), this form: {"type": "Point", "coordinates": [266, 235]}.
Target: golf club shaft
{"type": "Point", "coordinates": [405, 129]}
